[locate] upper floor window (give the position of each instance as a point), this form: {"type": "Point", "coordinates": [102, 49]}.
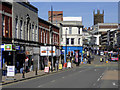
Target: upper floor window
{"type": "Point", "coordinates": [78, 30]}
{"type": "Point", "coordinates": [46, 37]}
{"type": "Point", "coordinates": [41, 35]}
{"type": "Point", "coordinates": [33, 32]}
{"type": "Point", "coordinates": [21, 30]}
{"type": "Point", "coordinates": [7, 31]}
{"type": "Point", "coordinates": [70, 30]}
{"type": "Point", "coordinates": [36, 33]}
{"type": "Point", "coordinates": [3, 25]}
{"type": "Point", "coordinates": [67, 40]}
{"type": "Point", "coordinates": [16, 28]}
{"type": "Point", "coordinates": [79, 41]}
{"type": "Point", "coordinates": [72, 41]}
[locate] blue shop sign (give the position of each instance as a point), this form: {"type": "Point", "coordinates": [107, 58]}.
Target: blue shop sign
{"type": "Point", "coordinates": [17, 47]}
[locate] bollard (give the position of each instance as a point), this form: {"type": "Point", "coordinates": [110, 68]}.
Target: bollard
{"type": "Point", "coordinates": [23, 74]}
{"type": "Point", "coordinates": [36, 72]}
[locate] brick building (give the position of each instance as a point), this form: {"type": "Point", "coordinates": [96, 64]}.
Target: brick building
{"type": "Point", "coordinates": [45, 40]}
{"type": "Point", "coordinates": [57, 16]}
{"type": "Point", "coordinates": [6, 21]}
{"type": "Point", "coordinates": [5, 31]}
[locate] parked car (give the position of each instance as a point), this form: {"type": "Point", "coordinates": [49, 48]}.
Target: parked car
{"type": "Point", "coordinates": [114, 57]}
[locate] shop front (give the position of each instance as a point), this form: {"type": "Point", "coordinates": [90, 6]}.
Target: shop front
{"type": "Point", "coordinates": [45, 56]}
{"type": "Point", "coordinates": [19, 58]}
{"type": "Point", "coordinates": [73, 53]}
{"type": "Point", "coordinates": [28, 58]}
{"type": "Point", "coordinates": [8, 55]}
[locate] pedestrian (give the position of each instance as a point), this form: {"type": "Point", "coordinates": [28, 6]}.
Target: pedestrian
{"type": "Point", "coordinates": [26, 64]}
{"type": "Point", "coordinates": [56, 65]}
{"type": "Point", "coordinates": [5, 69]}
{"type": "Point", "coordinates": [31, 67]}
{"type": "Point", "coordinates": [49, 65]}
{"type": "Point", "coordinates": [89, 60]}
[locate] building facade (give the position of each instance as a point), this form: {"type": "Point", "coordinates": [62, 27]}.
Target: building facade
{"type": "Point", "coordinates": [101, 28]}
{"type": "Point", "coordinates": [45, 41]}
{"type": "Point", "coordinates": [98, 18]}
{"type": "Point", "coordinates": [109, 40]}
{"type": "Point", "coordinates": [72, 36]}
{"type": "Point", "coordinates": [6, 32]}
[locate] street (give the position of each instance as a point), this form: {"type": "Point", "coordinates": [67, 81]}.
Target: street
{"type": "Point", "coordinates": [95, 75]}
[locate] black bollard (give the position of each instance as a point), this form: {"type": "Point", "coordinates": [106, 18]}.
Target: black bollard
{"type": "Point", "coordinates": [36, 72]}
{"type": "Point", "coordinates": [23, 74]}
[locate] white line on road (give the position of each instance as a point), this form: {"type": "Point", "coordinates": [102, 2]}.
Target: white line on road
{"type": "Point", "coordinates": [63, 77]}
{"type": "Point", "coordinates": [114, 84]}
{"type": "Point", "coordinates": [98, 79]}
{"type": "Point", "coordinates": [53, 81]}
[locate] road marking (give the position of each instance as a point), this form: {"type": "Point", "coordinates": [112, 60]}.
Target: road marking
{"type": "Point", "coordinates": [63, 77]}
{"type": "Point", "coordinates": [114, 84]}
{"type": "Point", "coordinates": [95, 70]}
{"type": "Point", "coordinates": [53, 81]}
{"type": "Point", "coordinates": [98, 79]}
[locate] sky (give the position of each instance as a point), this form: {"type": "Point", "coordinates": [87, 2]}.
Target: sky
{"type": "Point", "coordinates": [77, 9]}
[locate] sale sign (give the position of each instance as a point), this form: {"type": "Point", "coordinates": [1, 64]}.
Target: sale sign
{"type": "Point", "coordinates": [46, 69]}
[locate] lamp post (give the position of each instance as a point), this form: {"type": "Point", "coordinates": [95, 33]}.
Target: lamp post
{"type": "Point", "coordinates": [66, 44]}
{"type": "Point", "coordinates": [51, 39]}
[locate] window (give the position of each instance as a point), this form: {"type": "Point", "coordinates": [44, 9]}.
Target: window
{"type": "Point", "coordinates": [29, 32]}
{"type": "Point", "coordinates": [46, 36]}
{"type": "Point", "coordinates": [78, 30]}
{"type": "Point", "coordinates": [16, 28]}
{"type": "Point", "coordinates": [41, 35]}
{"type": "Point", "coordinates": [24, 30]}
{"type": "Point", "coordinates": [67, 40]}
{"type": "Point", "coordinates": [33, 32]}
{"type": "Point", "coordinates": [70, 30]}
{"type": "Point", "coordinates": [3, 25]}
{"type": "Point", "coordinates": [36, 34]}
{"type": "Point", "coordinates": [72, 41]}
{"type": "Point", "coordinates": [7, 32]}
{"type": "Point", "coordinates": [79, 41]}
{"type": "Point", "coordinates": [21, 31]}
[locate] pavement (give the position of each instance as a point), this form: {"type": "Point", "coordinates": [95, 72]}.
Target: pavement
{"type": "Point", "coordinates": [19, 77]}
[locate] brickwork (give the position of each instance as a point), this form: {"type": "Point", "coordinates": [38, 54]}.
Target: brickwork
{"type": "Point", "coordinates": [57, 16]}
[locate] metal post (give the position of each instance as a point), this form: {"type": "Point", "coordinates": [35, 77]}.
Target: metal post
{"type": "Point", "coordinates": [66, 45]}
{"type": "Point", "coordinates": [51, 39]}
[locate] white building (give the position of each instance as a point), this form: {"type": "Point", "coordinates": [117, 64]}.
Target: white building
{"type": "Point", "coordinates": [100, 28]}
{"type": "Point", "coordinates": [72, 31]}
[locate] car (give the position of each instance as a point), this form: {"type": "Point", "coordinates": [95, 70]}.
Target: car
{"type": "Point", "coordinates": [114, 57]}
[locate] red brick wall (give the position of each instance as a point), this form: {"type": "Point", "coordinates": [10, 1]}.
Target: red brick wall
{"type": "Point", "coordinates": [46, 25]}
{"type": "Point", "coordinates": [59, 16]}
{"type": "Point", "coordinates": [7, 9]}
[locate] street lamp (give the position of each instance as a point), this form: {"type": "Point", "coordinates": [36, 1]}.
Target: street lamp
{"type": "Point", "coordinates": [66, 44]}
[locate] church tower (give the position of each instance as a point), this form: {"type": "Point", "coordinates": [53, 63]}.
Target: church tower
{"type": "Point", "coordinates": [98, 18]}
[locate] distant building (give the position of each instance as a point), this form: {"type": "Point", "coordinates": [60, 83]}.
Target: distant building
{"type": "Point", "coordinates": [98, 18]}
{"type": "Point", "coordinates": [57, 16]}
{"type": "Point", "coordinates": [109, 40]}
{"type": "Point", "coordinates": [104, 27]}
